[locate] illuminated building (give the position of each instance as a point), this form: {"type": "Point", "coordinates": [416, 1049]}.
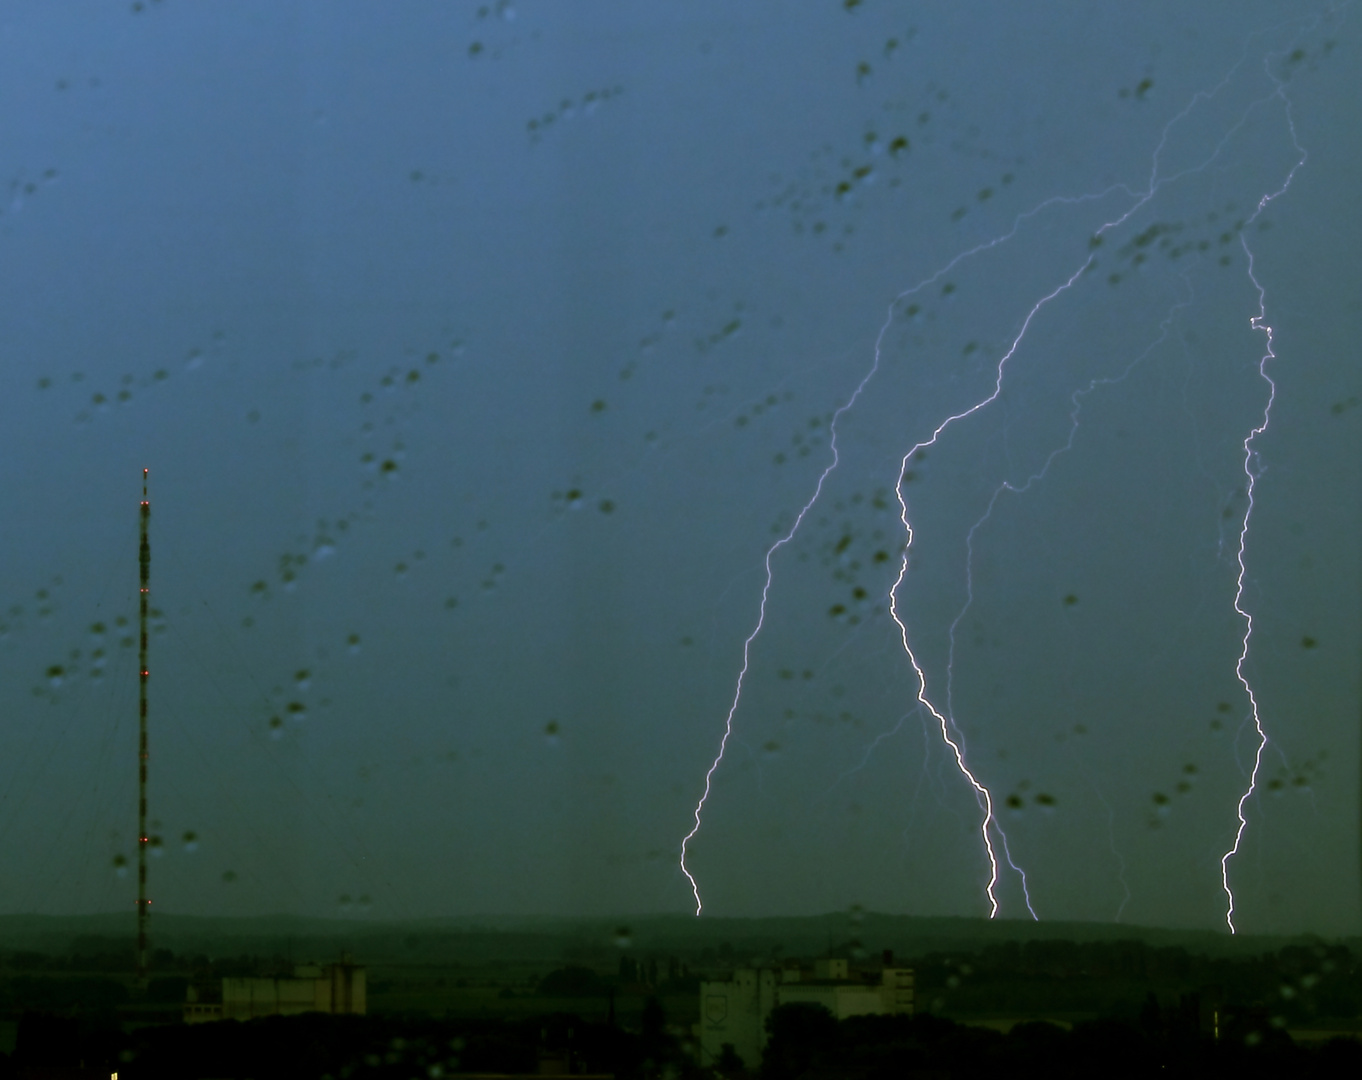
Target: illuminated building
{"type": "Point", "coordinates": [735, 1012]}
{"type": "Point", "coordinates": [336, 988]}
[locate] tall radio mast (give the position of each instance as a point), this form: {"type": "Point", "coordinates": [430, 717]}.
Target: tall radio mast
{"type": "Point", "coordinates": [143, 904]}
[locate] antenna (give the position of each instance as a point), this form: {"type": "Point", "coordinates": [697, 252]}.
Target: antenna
{"type": "Point", "coordinates": [143, 904]}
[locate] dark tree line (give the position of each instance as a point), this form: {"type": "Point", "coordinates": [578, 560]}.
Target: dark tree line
{"type": "Point", "coordinates": [1298, 984]}
{"type": "Point", "coordinates": [806, 1043]}
{"type": "Point", "coordinates": [314, 1046]}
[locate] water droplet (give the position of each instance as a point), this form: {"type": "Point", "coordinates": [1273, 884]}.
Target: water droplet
{"type": "Point", "coordinates": [190, 841]}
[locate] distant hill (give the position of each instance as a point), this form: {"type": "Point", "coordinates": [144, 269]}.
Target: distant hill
{"type": "Point", "coordinates": [715, 942]}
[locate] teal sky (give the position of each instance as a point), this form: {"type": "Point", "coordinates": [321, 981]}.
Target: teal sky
{"type": "Point", "coordinates": [480, 353]}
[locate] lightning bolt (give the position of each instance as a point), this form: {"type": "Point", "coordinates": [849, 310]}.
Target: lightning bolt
{"type": "Point", "coordinates": [956, 742]}
{"type": "Point", "coordinates": [989, 826]}
{"type": "Point", "coordinates": [761, 621]}
{"type": "Point", "coordinates": [818, 490]}
{"type": "Point", "coordinates": [1076, 406]}
{"type": "Point", "coordinates": [1257, 322]}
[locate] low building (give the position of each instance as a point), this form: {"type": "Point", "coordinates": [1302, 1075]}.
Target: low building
{"type": "Point", "coordinates": [335, 988]}
{"type": "Point", "coordinates": [734, 1012]}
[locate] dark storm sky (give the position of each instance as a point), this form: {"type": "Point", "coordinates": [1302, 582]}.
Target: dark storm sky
{"type": "Point", "coordinates": [479, 354]}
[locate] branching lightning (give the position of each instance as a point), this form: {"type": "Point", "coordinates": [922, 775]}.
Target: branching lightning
{"type": "Point", "coordinates": [1076, 405]}
{"type": "Point", "coordinates": [870, 750]}
{"type": "Point", "coordinates": [956, 743]}
{"type": "Point", "coordinates": [990, 830]}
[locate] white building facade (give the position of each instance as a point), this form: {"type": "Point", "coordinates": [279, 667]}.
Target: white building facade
{"type": "Point", "coordinates": [735, 1012]}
